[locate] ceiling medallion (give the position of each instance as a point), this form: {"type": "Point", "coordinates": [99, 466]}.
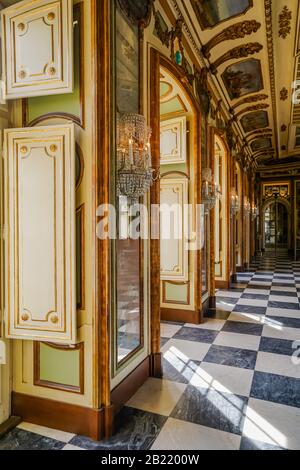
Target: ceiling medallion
{"type": "Point", "coordinates": [236, 31]}
{"type": "Point", "coordinates": [285, 19]}
{"type": "Point", "coordinates": [239, 52]}
{"type": "Point", "coordinates": [284, 94]}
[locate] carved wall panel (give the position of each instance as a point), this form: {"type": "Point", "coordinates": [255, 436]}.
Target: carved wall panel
{"type": "Point", "coordinates": [36, 71]}
{"type": "Point", "coordinates": [40, 220]}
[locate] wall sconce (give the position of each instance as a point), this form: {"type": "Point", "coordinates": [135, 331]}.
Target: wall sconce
{"type": "Point", "coordinates": [210, 191]}
{"type": "Point", "coordinates": [234, 202]}
{"type": "Point", "coordinates": [135, 174]}
{"type": "Point", "coordinates": [247, 207]}
{"type": "Point", "coordinates": [254, 211]}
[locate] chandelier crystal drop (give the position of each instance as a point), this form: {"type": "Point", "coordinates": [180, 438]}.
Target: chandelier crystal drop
{"type": "Point", "coordinates": [135, 174]}
{"type": "Point", "coordinates": [210, 191]}
{"type": "Point", "coordinates": [234, 202]}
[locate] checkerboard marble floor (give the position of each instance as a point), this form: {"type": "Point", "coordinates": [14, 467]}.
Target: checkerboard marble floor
{"type": "Point", "coordinates": [232, 383]}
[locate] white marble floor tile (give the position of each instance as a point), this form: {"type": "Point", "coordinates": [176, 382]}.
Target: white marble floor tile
{"type": "Point", "coordinates": [70, 447]}
{"type": "Point", "coordinates": [257, 291]}
{"type": "Point", "coordinates": [181, 436]}
{"type": "Point", "coordinates": [246, 317]}
{"type": "Point", "coordinates": [282, 289]}
{"type": "Point", "coordinates": [185, 350]}
{"type": "Point", "coordinates": [230, 294]}
{"type": "Point", "coordinates": [274, 424]}
{"type": "Point", "coordinates": [168, 330]}
{"type": "Point", "coordinates": [279, 332]}
{"type": "Point", "coordinates": [225, 305]}
{"type": "Point", "coordinates": [279, 298]}
{"type": "Point", "coordinates": [223, 379]}
{"type": "Point", "coordinates": [157, 396]}
{"type": "Point", "coordinates": [239, 341]}
{"type": "Point", "coordinates": [277, 364]}
{"type": "Point", "coordinates": [283, 312]}
{"type": "Point", "coordinates": [253, 303]}
{"type": "Point", "coordinates": [47, 432]}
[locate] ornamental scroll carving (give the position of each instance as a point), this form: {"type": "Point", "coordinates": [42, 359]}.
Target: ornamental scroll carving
{"type": "Point", "coordinates": [237, 31]}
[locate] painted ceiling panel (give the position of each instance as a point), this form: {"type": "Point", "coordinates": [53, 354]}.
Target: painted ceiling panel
{"type": "Point", "coordinates": [212, 12]}
{"type": "Point", "coordinates": [243, 78]}
{"type": "Point", "coordinates": [255, 120]}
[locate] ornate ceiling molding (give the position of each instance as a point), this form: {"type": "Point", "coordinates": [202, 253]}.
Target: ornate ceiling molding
{"type": "Point", "coordinates": [270, 43]}
{"type": "Point", "coordinates": [285, 19]}
{"type": "Point", "coordinates": [257, 132]}
{"type": "Point", "coordinates": [249, 99]}
{"type": "Point", "coordinates": [236, 31]}
{"type": "Point", "coordinates": [257, 107]}
{"type": "Point", "coordinates": [238, 52]}
{"type": "Point", "coordinates": [262, 136]}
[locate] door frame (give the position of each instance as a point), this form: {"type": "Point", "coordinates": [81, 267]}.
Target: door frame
{"type": "Point", "coordinates": [288, 207]}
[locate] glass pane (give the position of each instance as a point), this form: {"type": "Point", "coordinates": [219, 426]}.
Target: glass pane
{"type": "Point", "coordinates": [128, 277]}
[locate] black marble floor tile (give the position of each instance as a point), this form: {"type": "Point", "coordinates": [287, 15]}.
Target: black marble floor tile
{"type": "Point", "coordinates": [283, 284]}
{"type": "Point", "coordinates": [276, 389]}
{"type": "Point", "coordinates": [279, 278]}
{"type": "Point", "coordinates": [17, 439]}
{"type": "Point", "coordinates": [218, 315]}
{"type": "Point", "coordinates": [250, 309]}
{"type": "Point", "coordinates": [250, 444]}
{"type": "Point", "coordinates": [255, 297]}
{"type": "Point", "coordinates": [258, 287]}
{"type": "Point", "coordinates": [178, 371]}
{"type": "Point", "coordinates": [262, 279]}
{"type": "Point", "coordinates": [163, 341]}
{"type": "Point", "coordinates": [284, 305]}
{"type": "Point", "coordinates": [243, 328]}
{"type": "Point", "coordinates": [135, 430]}
{"type": "Point", "coordinates": [226, 301]}
{"type": "Point", "coordinates": [283, 321]}
{"type": "Point", "coordinates": [281, 293]}
{"type": "Point", "coordinates": [241, 358]}
{"type": "Point", "coordinates": [213, 409]}
{"type": "Point", "coordinates": [277, 346]}
{"type": "Point", "coordinates": [196, 334]}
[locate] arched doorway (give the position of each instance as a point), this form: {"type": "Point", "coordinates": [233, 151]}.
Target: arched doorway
{"type": "Point", "coordinates": [221, 214]}
{"type": "Point", "coordinates": [276, 226]}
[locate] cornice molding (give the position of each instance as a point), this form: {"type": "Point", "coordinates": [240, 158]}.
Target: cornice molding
{"type": "Point", "coordinates": [270, 45]}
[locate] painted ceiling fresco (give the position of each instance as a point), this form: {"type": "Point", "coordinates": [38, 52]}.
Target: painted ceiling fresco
{"type": "Point", "coordinates": [255, 120]}
{"type": "Point", "coordinates": [243, 78]}
{"type": "Point", "coordinates": [261, 144]}
{"type": "Point", "coordinates": [212, 12]}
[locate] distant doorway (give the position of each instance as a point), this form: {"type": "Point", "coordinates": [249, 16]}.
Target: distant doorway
{"type": "Point", "coordinates": [276, 227]}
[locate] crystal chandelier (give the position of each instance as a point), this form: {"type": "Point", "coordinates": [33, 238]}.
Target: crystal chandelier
{"type": "Point", "coordinates": [234, 202]}
{"type": "Point", "coordinates": [135, 174]}
{"type": "Point", "coordinates": [247, 206]}
{"type": "Point", "coordinates": [210, 191]}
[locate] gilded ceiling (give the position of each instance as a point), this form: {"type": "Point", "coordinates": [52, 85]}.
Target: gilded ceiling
{"type": "Point", "coordinates": [251, 49]}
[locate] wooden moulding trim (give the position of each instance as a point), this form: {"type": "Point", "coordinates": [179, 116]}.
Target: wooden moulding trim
{"type": "Point", "coordinates": [57, 415]}
{"type": "Point", "coordinates": [10, 424]}
{"type": "Point", "coordinates": [128, 387]}
{"type": "Point", "coordinates": [79, 120]}
{"type": "Point", "coordinates": [154, 200]}
{"type": "Point", "coordinates": [54, 385]}
{"type": "Point", "coordinates": [80, 211]}
{"type": "Point", "coordinates": [185, 316]}
{"type": "Point", "coordinates": [222, 284]}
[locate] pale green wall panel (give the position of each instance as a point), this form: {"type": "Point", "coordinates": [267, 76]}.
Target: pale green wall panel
{"type": "Point", "coordinates": [59, 366]}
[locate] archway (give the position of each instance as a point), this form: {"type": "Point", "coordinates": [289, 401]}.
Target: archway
{"type": "Point", "coordinates": [276, 225]}
{"type": "Point", "coordinates": [221, 222]}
